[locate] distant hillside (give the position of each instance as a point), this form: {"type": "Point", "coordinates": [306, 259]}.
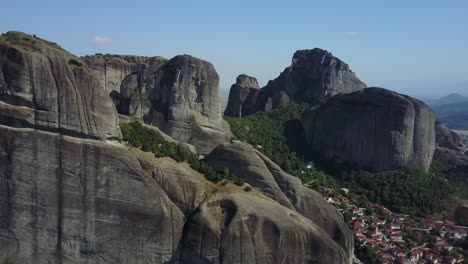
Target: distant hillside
{"type": "Point", "coordinates": [452, 110]}
{"type": "Point", "coordinates": [449, 99]}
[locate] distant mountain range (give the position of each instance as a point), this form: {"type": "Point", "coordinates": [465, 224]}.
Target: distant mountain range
{"type": "Point", "coordinates": [452, 110]}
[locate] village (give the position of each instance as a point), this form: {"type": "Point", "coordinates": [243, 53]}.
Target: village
{"type": "Point", "coordinates": [388, 237]}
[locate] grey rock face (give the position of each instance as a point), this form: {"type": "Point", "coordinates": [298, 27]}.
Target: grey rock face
{"type": "Point", "coordinates": [179, 96]}
{"type": "Point", "coordinates": [450, 147]}
{"type": "Point", "coordinates": [43, 86]}
{"type": "Point", "coordinates": [243, 162]}
{"type": "Point", "coordinates": [184, 96]}
{"type": "Point", "coordinates": [232, 229]}
{"type": "Point", "coordinates": [242, 96]}
{"type": "Point", "coordinates": [313, 76]}
{"type": "Point", "coordinates": [374, 128]}
{"type": "Point", "coordinates": [123, 78]}
{"type": "Point", "coordinates": [312, 205]}
{"type": "Point", "coordinates": [70, 200]}
{"type": "Point", "coordinates": [260, 172]}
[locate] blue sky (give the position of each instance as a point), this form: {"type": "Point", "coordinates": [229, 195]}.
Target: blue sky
{"type": "Point", "coordinates": [415, 47]}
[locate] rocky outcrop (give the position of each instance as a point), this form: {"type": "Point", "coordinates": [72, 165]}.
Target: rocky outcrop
{"type": "Point", "coordinates": [314, 76]}
{"type": "Point", "coordinates": [450, 147]}
{"type": "Point", "coordinates": [232, 229]}
{"type": "Point", "coordinates": [42, 86]}
{"type": "Point", "coordinates": [184, 97]}
{"type": "Point", "coordinates": [242, 96]}
{"type": "Point", "coordinates": [179, 96]}
{"type": "Point", "coordinates": [123, 78]}
{"type": "Point", "coordinates": [69, 196]}
{"type": "Point", "coordinates": [374, 129]}
{"type": "Point", "coordinates": [260, 172]}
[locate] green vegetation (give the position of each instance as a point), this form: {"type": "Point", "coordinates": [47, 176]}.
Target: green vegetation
{"type": "Point", "coordinates": [7, 261]}
{"type": "Point", "coordinates": [274, 134]}
{"type": "Point", "coordinates": [457, 177]}
{"type": "Point", "coordinates": [26, 42]}
{"type": "Point", "coordinates": [410, 190]}
{"type": "Point", "coordinates": [150, 140]}
{"type": "Point", "coordinates": [131, 58]}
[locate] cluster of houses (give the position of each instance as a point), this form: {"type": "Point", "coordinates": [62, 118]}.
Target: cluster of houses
{"type": "Point", "coordinates": [399, 238]}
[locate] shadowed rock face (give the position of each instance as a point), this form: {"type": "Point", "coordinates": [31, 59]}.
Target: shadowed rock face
{"type": "Point", "coordinates": [266, 176]}
{"type": "Point", "coordinates": [123, 78]}
{"type": "Point", "coordinates": [75, 198]}
{"type": "Point", "coordinates": [314, 76]}
{"type": "Point", "coordinates": [43, 86]}
{"type": "Point", "coordinates": [374, 128]}
{"type": "Point", "coordinates": [242, 96]}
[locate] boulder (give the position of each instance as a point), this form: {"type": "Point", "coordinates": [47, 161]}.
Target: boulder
{"type": "Point", "coordinates": [373, 129]}
{"type": "Point", "coordinates": [242, 96]}
{"type": "Point", "coordinates": [45, 87]}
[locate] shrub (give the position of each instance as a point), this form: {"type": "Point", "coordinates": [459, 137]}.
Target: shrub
{"type": "Point", "coordinates": [239, 181]}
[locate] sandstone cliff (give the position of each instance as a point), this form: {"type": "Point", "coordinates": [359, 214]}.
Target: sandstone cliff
{"type": "Point", "coordinates": [313, 76]}
{"type": "Point", "coordinates": [69, 196]}
{"type": "Point", "coordinates": [374, 129]}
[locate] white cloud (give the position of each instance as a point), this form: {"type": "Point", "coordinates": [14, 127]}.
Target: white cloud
{"type": "Point", "coordinates": [101, 40]}
{"type": "Point", "coordinates": [352, 34]}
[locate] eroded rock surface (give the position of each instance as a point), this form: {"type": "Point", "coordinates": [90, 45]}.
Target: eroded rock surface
{"type": "Point", "coordinates": [232, 229]}
{"type": "Point", "coordinates": [374, 129]}
{"type": "Point", "coordinates": [70, 200]}
{"type": "Point", "coordinates": [259, 171]}
{"type": "Point", "coordinates": [185, 104]}
{"type": "Point", "coordinates": [242, 96]}
{"type": "Point", "coordinates": [43, 86]}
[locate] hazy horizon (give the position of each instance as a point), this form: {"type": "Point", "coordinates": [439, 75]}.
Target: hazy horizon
{"type": "Point", "coordinates": [416, 49]}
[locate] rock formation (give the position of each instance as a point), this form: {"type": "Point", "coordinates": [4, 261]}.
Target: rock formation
{"type": "Point", "coordinates": [242, 96]}
{"type": "Point", "coordinates": [123, 78]}
{"type": "Point", "coordinates": [450, 147]}
{"type": "Point", "coordinates": [180, 96]}
{"type": "Point", "coordinates": [374, 129]}
{"type": "Point", "coordinates": [313, 76]}
{"type": "Point", "coordinates": [42, 86]}
{"type": "Point", "coordinates": [184, 96]}
{"type": "Point", "coordinates": [69, 196]}
{"type": "Point", "coordinates": [263, 174]}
